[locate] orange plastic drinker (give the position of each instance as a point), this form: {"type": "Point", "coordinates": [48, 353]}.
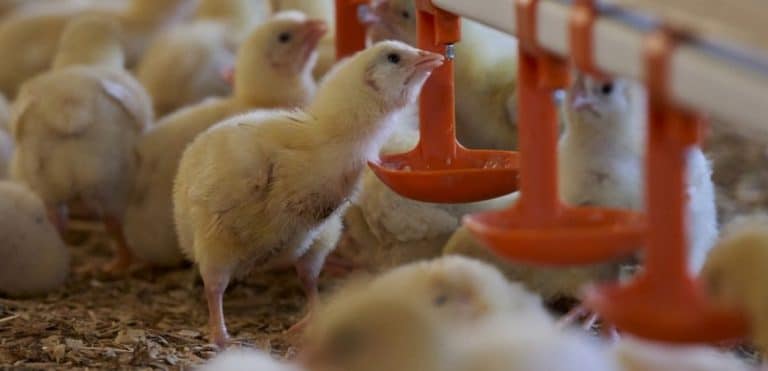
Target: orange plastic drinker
{"type": "Point", "coordinates": [665, 302]}
{"type": "Point", "coordinates": [439, 169]}
{"type": "Point", "coordinates": [350, 33]}
{"type": "Point", "coordinates": [539, 229]}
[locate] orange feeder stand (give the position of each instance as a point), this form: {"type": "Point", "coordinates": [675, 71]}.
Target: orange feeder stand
{"type": "Point", "coordinates": [539, 229]}
{"type": "Point", "coordinates": [439, 169]}
{"type": "Point", "coordinates": [665, 302]}
{"type": "Point", "coordinates": [350, 32]}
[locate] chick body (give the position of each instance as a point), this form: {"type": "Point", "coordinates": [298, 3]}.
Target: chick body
{"type": "Point", "coordinates": [256, 190]}
{"type": "Point", "coordinates": [184, 65]}
{"type": "Point", "coordinates": [35, 260]}
{"type": "Point", "coordinates": [246, 360]}
{"type": "Point", "coordinates": [149, 217]}
{"type": "Point", "coordinates": [638, 355]}
{"type": "Point", "coordinates": [77, 127]}
{"type": "Point", "coordinates": [30, 39]}
{"type": "Point", "coordinates": [734, 269]}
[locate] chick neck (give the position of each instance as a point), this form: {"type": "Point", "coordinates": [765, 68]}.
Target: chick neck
{"type": "Point", "coordinates": [621, 136]}
{"type": "Point", "coordinates": [256, 90]}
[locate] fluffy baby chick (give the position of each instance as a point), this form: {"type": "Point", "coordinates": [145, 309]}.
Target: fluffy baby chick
{"type": "Point", "coordinates": [485, 73]}
{"type": "Point", "coordinates": [256, 190]}
{"type": "Point", "coordinates": [733, 272]}
{"type": "Point", "coordinates": [638, 355]}
{"type": "Point", "coordinates": [29, 39]}
{"type": "Point", "coordinates": [244, 359]}
{"type": "Point", "coordinates": [77, 128]}
{"type": "Point", "coordinates": [279, 53]}
{"type": "Point", "coordinates": [323, 9]}
{"type": "Point", "coordinates": [183, 66]}
{"type": "Point", "coordinates": [35, 259]}
{"type": "Point", "coordinates": [379, 326]}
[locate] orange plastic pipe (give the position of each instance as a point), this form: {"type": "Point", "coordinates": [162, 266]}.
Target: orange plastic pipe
{"type": "Point", "coordinates": [437, 114]}
{"type": "Point", "coordinates": [350, 33]}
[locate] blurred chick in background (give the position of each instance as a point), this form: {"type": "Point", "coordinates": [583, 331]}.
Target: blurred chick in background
{"type": "Point", "coordinates": [244, 359]}
{"type": "Point", "coordinates": [639, 355]}
{"type": "Point", "coordinates": [601, 160]}
{"type": "Point", "coordinates": [77, 128]}
{"type": "Point", "coordinates": [257, 190]}
{"type": "Point", "coordinates": [735, 269]}
{"type": "Point", "coordinates": [440, 325]}
{"type": "Point", "coordinates": [183, 65]}
{"type": "Point", "coordinates": [322, 9]}
{"type": "Point", "coordinates": [275, 70]}
{"type": "Point", "coordinates": [29, 39]}
{"type": "Point", "coordinates": [485, 73]}
{"type": "Point", "coordinates": [35, 260]}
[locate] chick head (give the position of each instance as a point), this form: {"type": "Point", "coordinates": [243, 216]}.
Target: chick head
{"type": "Point", "coordinates": [459, 289]}
{"type": "Point", "coordinates": [598, 101]}
{"type": "Point", "coordinates": [372, 330]}
{"type": "Point", "coordinates": [286, 44]}
{"type": "Point", "coordinates": [735, 267]}
{"type": "Point", "coordinates": [392, 20]}
{"type": "Point", "coordinates": [390, 71]}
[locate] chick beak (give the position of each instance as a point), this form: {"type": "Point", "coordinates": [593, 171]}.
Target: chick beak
{"type": "Point", "coordinates": [314, 30]}
{"type": "Point", "coordinates": [428, 61]}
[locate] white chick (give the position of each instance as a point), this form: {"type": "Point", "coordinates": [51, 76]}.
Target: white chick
{"type": "Point", "coordinates": [735, 268]}
{"type": "Point", "coordinates": [485, 73]}
{"type": "Point", "coordinates": [183, 66]}
{"type": "Point", "coordinates": [244, 359]}
{"type": "Point", "coordinates": [256, 189]}
{"type": "Point", "coordinates": [600, 162]}
{"type": "Point", "coordinates": [29, 39]}
{"type": "Point", "coordinates": [279, 53]}
{"type": "Point", "coordinates": [638, 355]}
{"type": "Point", "coordinates": [35, 260]}
{"type": "Point", "coordinates": [77, 128]}
{"type": "Point", "coordinates": [323, 9]}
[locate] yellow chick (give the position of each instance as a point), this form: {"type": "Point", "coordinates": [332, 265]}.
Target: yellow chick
{"type": "Point", "coordinates": [733, 272]}
{"type": "Point", "coordinates": [325, 10]}
{"type": "Point", "coordinates": [244, 359]}
{"type": "Point", "coordinates": [279, 53]}
{"type": "Point", "coordinates": [485, 73]}
{"type": "Point", "coordinates": [639, 355]}
{"type": "Point", "coordinates": [256, 189]}
{"type": "Point", "coordinates": [35, 260]}
{"type": "Point", "coordinates": [29, 39]}
{"type": "Point", "coordinates": [77, 128]}
{"type": "Point", "coordinates": [183, 66]}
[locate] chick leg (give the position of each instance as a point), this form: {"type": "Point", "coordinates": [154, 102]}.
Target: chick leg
{"type": "Point", "coordinates": [123, 256]}
{"type": "Point", "coordinates": [216, 282]}
{"type": "Point", "coordinates": [308, 269]}
{"type": "Point", "coordinates": [58, 215]}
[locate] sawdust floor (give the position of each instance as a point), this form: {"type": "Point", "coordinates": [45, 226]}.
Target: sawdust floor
{"type": "Point", "coordinates": [156, 319]}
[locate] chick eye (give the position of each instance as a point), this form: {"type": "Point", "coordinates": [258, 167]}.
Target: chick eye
{"type": "Point", "coordinates": [440, 300]}
{"type": "Point", "coordinates": [405, 14]}
{"type": "Point", "coordinates": [284, 37]}
{"type": "Point", "coordinates": [606, 89]}
{"type": "Point", "coordinates": [393, 58]}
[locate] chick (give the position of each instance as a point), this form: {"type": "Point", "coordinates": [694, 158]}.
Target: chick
{"type": "Point", "coordinates": [734, 269]}
{"type": "Point", "coordinates": [267, 60]}
{"type": "Point", "coordinates": [638, 355]}
{"type": "Point", "coordinates": [257, 189]}
{"type": "Point", "coordinates": [323, 9]}
{"type": "Point", "coordinates": [379, 326]}
{"type": "Point", "coordinates": [485, 73]}
{"type": "Point", "coordinates": [600, 162]}
{"type": "Point", "coordinates": [244, 359]}
{"type": "Point", "coordinates": [77, 128]}
{"type": "Point", "coordinates": [29, 40]}
{"type": "Point", "coordinates": [183, 66]}
{"type": "Point", "coordinates": [35, 259]}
